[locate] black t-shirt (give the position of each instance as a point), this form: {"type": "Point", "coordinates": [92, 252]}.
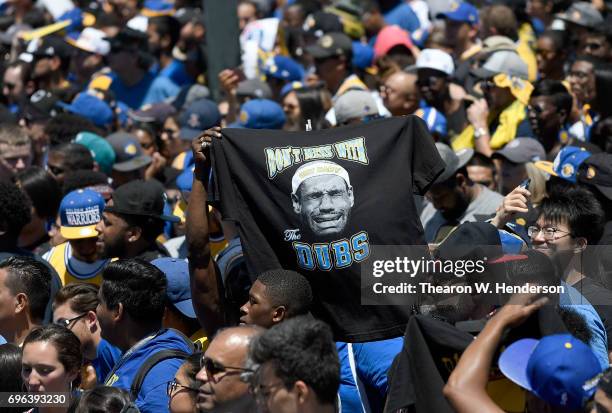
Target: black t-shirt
{"type": "Point", "coordinates": [316, 202]}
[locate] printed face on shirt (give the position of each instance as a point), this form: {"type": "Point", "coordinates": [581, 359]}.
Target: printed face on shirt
{"type": "Point", "coordinates": [324, 204]}
{"type": "Point", "coordinates": [41, 369]}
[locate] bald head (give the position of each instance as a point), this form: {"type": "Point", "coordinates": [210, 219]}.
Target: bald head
{"type": "Point", "coordinates": [399, 93]}
{"type": "Point", "coordinates": [224, 362]}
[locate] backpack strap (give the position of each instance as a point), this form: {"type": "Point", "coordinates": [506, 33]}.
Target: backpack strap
{"type": "Point", "coordinates": [149, 363]}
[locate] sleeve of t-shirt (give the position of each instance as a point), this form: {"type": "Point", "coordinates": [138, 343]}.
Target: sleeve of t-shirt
{"type": "Point", "coordinates": [152, 397]}
{"type": "Point", "coordinates": [425, 159]}
{"type": "Point", "coordinates": [161, 89]}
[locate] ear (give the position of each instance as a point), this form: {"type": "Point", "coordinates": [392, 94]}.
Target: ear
{"type": "Point", "coordinates": [350, 194]}
{"type": "Point", "coordinates": [21, 303]}
{"type": "Point", "coordinates": [92, 320]}
{"type": "Point", "coordinates": [118, 313]}
{"type": "Point", "coordinates": [302, 392]}
{"type": "Point", "coordinates": [279, 314]}
{"type": "Point", "coordinates": [461, 180]}
{"type": "Point", "coordinates": [297, 208]}
{"type": "Point", "coordinates": [133, 234]}
{"type": "Point", "coordinates": [581, 244]}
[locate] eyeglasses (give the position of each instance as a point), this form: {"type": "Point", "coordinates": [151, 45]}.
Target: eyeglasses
{"type": "Point", "coordinates": [172, 386]}
{"type": "Point", "coordinates": [261, 393]}
{"type": "Point", "coordinates": [55, 170]}
{"type": "Point", "coordinates": [549, 232]}
{"type": "Point", "coordinates": [213, 368]}
{"type": "Point", "coordinates": [67, 322]}
{"type": "Point", "coordinates": [9, 86]}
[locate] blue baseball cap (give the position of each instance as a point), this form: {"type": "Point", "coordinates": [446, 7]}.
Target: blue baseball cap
{"type": "Point", "coordinates": [178, 291]}
{"type": "Point", "coordinates": [436, 121]}
{"type": "Point", "coordinates": [284, 68]}
{"type": "Point", "coordinates": [566, 163]}
{"type": "Point", "coordinates": [80, 212]}
{"type": "Point", "coordinates": [461, 12]}
{"type": "Point", "coordinates": [200, 115]}
{"type": "Point", "coordinates": [290, 87]}
{"type": "Point", "coordinates": [363, 55]}
{"type": "Point", "coordinates": [559, 369]}
{"type": "Point", "coordinates": [90, 107]}
{"type": "Point", "coordinates": [129, 155]}
{"type": "Point", "coordinates": [260, 114]}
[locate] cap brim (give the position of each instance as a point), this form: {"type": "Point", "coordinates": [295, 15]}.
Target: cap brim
{"type": "Point", "coordinates": [464, 156]}
{"type": "Point", "coordinates": [319, 52]}
{"type": "Point", "coordinates": [188, 134]}
{"type": "Point", "coordinates": [186, 308]}
{"type": "Point", "coordinates": [79, 232]}
{"type": "Point", "coordinates": [169, 218]}
{"type": "Point", "coordinates": [133, 164]}
{"type": "Point", "coordinates": [513, 361]}
{"type": "Point", "coordinates": [546, 166]}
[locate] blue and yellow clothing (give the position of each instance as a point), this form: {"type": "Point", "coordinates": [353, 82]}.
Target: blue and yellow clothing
{"type": "Point", "coordinates": [107, 356]}
{"type": "Point", "coordinates": [176, 72]}
{"type": "Point", "coordinates": [72, 270]}
{"type": "Point", "coordinates": [152, 397]}
{"type": "Point", "coordinates": [150, 89]}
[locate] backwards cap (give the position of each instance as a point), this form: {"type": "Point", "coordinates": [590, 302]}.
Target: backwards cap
{"type": "Point", "coordinates": [317, 168]}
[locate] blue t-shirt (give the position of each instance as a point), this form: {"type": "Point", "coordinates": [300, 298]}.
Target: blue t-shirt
{"type": "Point", "coordinates": [176, 72]}
{"type": "Point", "coordinates": [150, 89]}
{"type": "Point", "coordinates": [152, 397]}
{"type": "Point", "coordinates": [403, 16]}
{"type": "Point", "coordinates": [107, 356]}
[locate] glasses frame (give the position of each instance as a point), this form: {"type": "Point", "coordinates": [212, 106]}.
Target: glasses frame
{"type": "Point", "coordinates": [538, 230]}
{"type": "Point", "coordinates": [220, 368]}
{"type": "Point", "coordinates": [172, 385]}
{"type": "Point", "coordinates": [68, 321]}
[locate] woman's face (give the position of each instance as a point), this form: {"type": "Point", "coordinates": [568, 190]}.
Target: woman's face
{"type": "Point", "coordinates": [182, 399]}
{"type": "Point", "coordinates": [42, 371]}
{"type": "Point", "coordinates": [147, 141]}
{"type": "Point", "coordinates": [172, 144]}
{"type": "Point", "coordinates": [291, 107]}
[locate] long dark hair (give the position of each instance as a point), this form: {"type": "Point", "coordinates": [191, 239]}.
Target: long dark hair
{"type": "Point", "coordinates": [10, 376]}
{"type": "Point", "coordinates": [43, 190]}
{"type": "Point", "coordinates": [603, 85]}
{"type": "Point", "coordinates": [311, 107]}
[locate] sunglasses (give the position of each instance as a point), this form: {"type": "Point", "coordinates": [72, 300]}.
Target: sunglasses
{"type": "Point", "coordinates": [214, 368]}
{"type": "Point", "coordinates": [66, 322]}
{"type": "Point", "coordinates": [172, 386]}
{"type": "Point", "coordinates": [9, 86]}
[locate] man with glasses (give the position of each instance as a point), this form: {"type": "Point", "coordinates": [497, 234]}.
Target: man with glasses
{"type": "Point", "coordinates": [74, 307]}
{"type": "Point", "coordinates": [399, 94]}
{"type": "Point", "coordinates": [224, 373]}
{"type": "Point", "coordinates": [582, 85]}
{"type": "Point", "coordinates": [68, 157]}
{"type": "Point", "coordinates": [434, 69]}
{"type": "Point", "coordinates": [297, 368]}
{"type": "Point", "coordinates": [597, 43]}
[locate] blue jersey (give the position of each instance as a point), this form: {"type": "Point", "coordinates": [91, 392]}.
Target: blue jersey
{"type": "Point", "coordinates": [107, 356]}
{"type": "Point", "coordinates": [403, 16]}
{"type": "Point", "coordinates": [150, 89]}
{"type": "Point", "coordinates": [176, 72]}
{"type": "Point", "coordinates": [152, 397]}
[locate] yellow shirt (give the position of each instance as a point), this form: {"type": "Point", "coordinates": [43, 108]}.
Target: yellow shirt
{"type": "Point", "coordinates": [71, 270]}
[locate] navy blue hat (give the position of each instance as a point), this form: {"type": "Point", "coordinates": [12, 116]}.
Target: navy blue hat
{"type": "Point", "coordinates": [461, 12]}
{"type": "Point", "coordinates": [178, 291]}
{"type": "Point", "coordinates": [200, 115]}
{"type": "Point", "coordinates": [90, 107]}
{"type": "Point", "coordinates": [284, 68]}
{"type": "Point", "coordinates": [260, 114]}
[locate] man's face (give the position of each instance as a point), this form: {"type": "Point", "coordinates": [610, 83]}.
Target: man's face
{"type": "Point", "coordinates": [497, 98]}
{"type": "Point", "coordinates": [510, 175]}
{"type": "Point", "coordinates": [12, 86]}
{"type": "Point", "coordinates": [547, 56]}
{"type": "Point", "coordinates": [154, 39]}
{"type": "Point", "coordinates": [13, 159]}
{"type": "Point", "coordinates": [106, 320]}
{"type": "Point", "coordinates": [324, 203]}
{"type": "Point", "coordinates": [272, 395]}
{"type": "Point", "coordinates": [55, 165]}
{"type": "Point", "coordinates": [582, 81]}
{"type": "Point", "coordinates": [482, 175]}
{"type": "Point", "coordinates": [257, 310]}
{"type": "Point", "coordinates": [221, 386]}
{"type": "Point", "coordinates": [543, 116]}
{"type": "Point", "coordinates": [596, 45]}
{"type": "Point", "coordinates": [112, 235]}
{"type": "Point", "coordinates": [85, 249]}
{"type": "Point", "coordinates": [399, 94]}
{"type": "Point", "coordinates": [7, 306]}
{"type": "Point", "coordinates": [122, 61]}
{"type": "Point", "coordinates": [43, 67]}
{"type": "Point", "coordinates": [327, 69]}
{"type": "Point", "coordinates": [247, 13]}
{"type": "Point", "coordinates": [293, 16]}
{"type": "Point", "coordinates": [432, 85]}
{"type": "Point", "coordinates": [451, 202]}
{"type": "Point", "coordinates": [457, 33]}
{"type": "Point", "coordinates": [79, 326]}
{"type": "Point", "coordinates": [537, 8]}
{"type": "Point", "coordinates": [561, 241]}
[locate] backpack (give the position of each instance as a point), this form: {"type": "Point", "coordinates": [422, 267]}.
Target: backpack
{"type": "Point", "coordinates": [153, 360]}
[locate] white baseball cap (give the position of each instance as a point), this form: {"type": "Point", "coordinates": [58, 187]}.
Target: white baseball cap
{"type": "Point", "coordinates": [437, 60]}
{"type": "Point", "coordinates": [93, 41]}
{"type": "Point", "coordinates": [317, 168]}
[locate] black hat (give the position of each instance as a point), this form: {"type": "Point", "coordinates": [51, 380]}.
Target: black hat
{"type": "Point", "coordinates": [471, 240]}
{"type": "Point", "coordinates": [596, 170]}
{"type": "Point", "coordinates": [48, 46]}
{"type": "Point", "coordinates": [331, 45]}
{"type": "Point", "coordinates": [319, 23]}
{"type": "Point", "coordinates": [129, 39]}
{"type": "Point", "coordinates": [40, 107]}
{"type": "Point", "coordinates": [142, 198]}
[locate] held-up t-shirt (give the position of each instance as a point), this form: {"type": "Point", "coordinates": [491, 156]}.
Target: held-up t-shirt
{"type": "Point", "coordinates": [316, 202]}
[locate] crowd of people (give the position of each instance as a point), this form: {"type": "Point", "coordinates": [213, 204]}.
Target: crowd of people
{"type": "Point", "coordinates": [124, 287]}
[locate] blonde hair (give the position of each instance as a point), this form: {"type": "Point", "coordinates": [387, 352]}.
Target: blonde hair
{"type": "Point", "coordinates": [13, 136]}
{"type": "Point", "coordinates": [537, 187]}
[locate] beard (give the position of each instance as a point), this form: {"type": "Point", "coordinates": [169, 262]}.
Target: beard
{"type": "Point", "coordinates": [455, 213]}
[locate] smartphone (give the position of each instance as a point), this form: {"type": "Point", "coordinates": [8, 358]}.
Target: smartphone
{"type": "Point", "coordinates": [525, 183]}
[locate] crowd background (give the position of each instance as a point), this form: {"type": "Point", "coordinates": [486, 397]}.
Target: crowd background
{"type": "Point", "coordinates": [121, 287]}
